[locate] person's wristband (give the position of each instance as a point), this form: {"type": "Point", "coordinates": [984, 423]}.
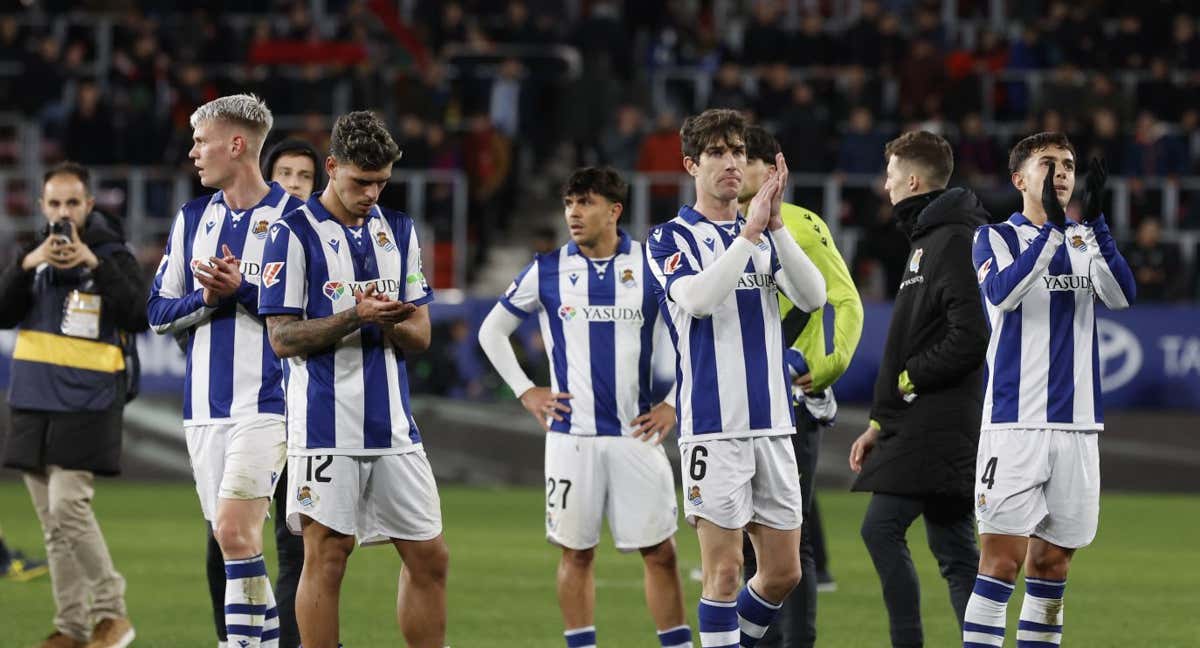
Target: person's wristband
{"type": "Point", "coordinates": [874, 425]}
{"type": "Point", "coordinates": [906, 383]}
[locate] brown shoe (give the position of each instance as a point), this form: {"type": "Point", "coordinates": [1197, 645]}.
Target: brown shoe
{"type": "Point", "coordinates": [112, 633]}
{"type": "Point", "coordinates": [60, 640]}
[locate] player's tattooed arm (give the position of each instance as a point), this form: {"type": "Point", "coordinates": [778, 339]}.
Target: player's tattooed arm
{"type": "Point", "coordinates": [291, 336]}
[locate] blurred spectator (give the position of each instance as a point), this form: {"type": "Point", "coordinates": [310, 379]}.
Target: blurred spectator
{"type": "Point", "coordinates": [505, 101]}
{"type": "Point", "coordinates": [856, 89]}
{"type": "Point", "coordinates": [812, 47]}
{"type": "Point", "coordinates": [544, 240]}
{"type": "Point", "coordinates": [1156, 264]}
{"type": "Point", "coordinates": [861, 149]}
{"type": "Point", "coordinates": [1103, 94]}
{"type": "Point", "coordinates": [1159, 94]}
{"type": "Point", "coordinates": [862, 40]}
{"type": "Point", "coordinates": [1185, 45]}
{"type": "Point", "coordinates": [1130, 44]}
{"type": "Point", "coordinates": [727, 90]}
{"type": "Point", "coordinates": [1103, 140]}
{"type": "Point", "coordinates": [487, 155]}
{"type": "Point", "coordinates": [921, 76]}
{"type": "Point", "coordinates": [1150, 153]}
{"type": "Point", "coordinates": [661, 153]}
{"type": "Point", "coordinates": [89, 137]}
{"type": "Point", "coordinates": [764, 41]}
{"type": "Point", "coordinates": [880, 257]}
{"type": "Point", "coordinates": [774, 94]}
{"type": "Point", "coordinates": [977, 161]}
{"type": "Point", "coordinates": [1064, 90]}
{"type": "Point", "coordinates": [804, 131]}
{"type": "Point", "coordinates": [621, 144]}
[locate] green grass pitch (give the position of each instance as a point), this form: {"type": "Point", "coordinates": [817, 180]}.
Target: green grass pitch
{"type": "Point", "coordinates": [1138, 585]}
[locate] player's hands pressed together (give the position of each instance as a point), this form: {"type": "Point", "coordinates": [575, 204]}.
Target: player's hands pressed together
{"type": "Point", "coordinates": [1093, 202]}
{"type": "Point", "coordinates": [221, 278]}
{"type": "Point", "coordinates": [543, 404]}
{"type": "Point", "coordinates": [654, 426]}
{"type": "Point", "coordinates": [1054, 209]}
{"type": "Point", "coordinates": [862, 447]}
{"type": "Point", "coordinates": [375, 308]}
{"type": "Point", "coordinates": [758, 216]}
{"type": "Point", "coordinates": [781, 176]}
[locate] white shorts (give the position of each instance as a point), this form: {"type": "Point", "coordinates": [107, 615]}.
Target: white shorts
{"type": "Point", "coordinates": [236, 460]}
{"type": "Point", "coordinates": [377, 498]}
{"type": "Point", "coordinates": [624, 479]}
{"type": "Point", "coordinates": [1044, 483]}
{"type": "Point", "coordinates": [733, 482]}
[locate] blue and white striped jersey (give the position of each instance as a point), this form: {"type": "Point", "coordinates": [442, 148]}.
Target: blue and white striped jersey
{"type": "Point", "coordinates": [352, 398]}
{"type": "Point", "coordinates": [232, 373]}
{"type": "Point", "coordinates": [1039, 287]}
{"type": "Point", "coordinates": [731, 379]}
{"type": "Point", "coordinates": [597, 319]}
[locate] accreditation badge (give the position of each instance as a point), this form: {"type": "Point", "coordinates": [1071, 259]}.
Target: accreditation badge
{"type": "Point", "coordinates": [81, 315]}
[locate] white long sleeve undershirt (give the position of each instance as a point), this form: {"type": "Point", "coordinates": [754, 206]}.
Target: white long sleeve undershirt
{"type": "Point", "coordinates": [494, 332]}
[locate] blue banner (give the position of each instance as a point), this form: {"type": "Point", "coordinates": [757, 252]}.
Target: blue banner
{"type": "Point", "coordinates": [1149, 355]}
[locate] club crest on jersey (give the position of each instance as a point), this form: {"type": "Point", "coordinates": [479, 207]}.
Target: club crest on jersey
{"type": "Point", "coordinates": [334, 290]}
{"type": "Point", "coordinates": [914, 264]}
{"type": "Point", "coordinates": [306, 497]}
{"type": "Point", "coordinates": [382, 240]}
{"type": "Point", "coordinates": [566, 313]}
{"type": "Point", "coordinates": [694, 496]}
{"type": "Point", "coordinates": [270, 273]}
{"type": "Point", "coordinates": [672, 263]}
{"type": "Point", "coordinates": [260, 230]}
{"type": "Point", "coordinates": [627, 278]}
{"type": "Point", "coordinates": [1078, 244]}
{"type": "Point", "coordinates": [983, 270]}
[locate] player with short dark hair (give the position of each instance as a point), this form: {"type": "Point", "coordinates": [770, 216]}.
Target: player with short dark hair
{"type": "Point", "coordinates": [1037, 488]}
{"type": "Point", "coordinates": [603, 459]}
{"type": "Point", "coordinates": [346, 300]}
{"type": "Point", "coordinates": [717, 276]}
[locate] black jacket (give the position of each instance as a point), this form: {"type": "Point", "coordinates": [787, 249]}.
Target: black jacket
{"type": "Point", "coordinates": [33, 301]}
{"type": "Point", "coordinates": [939, 335]}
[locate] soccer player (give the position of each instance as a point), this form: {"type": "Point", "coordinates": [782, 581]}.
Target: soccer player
{"type": "Point", "coordinates": [345, 301]}
{"type": "Point", "coordinates": [603, 458]}
{"type": "Point", "coordinates": [294, 164]}
{"type": "Point", "coordinates": [233, 410]}
{"type": "Point", "coordinates": [814, 371]}
{"type": "Point", "coordinates": [1037, 490]}
{"type": "Point", "coordinates": [717, 275]}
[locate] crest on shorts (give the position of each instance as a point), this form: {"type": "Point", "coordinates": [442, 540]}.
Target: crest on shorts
{"type": "Point", "coordinates": [982, 504]}
{"type": "Point", "coordinates": [694, 496]}
{"type": "Point", "coordinates": [306, 497]}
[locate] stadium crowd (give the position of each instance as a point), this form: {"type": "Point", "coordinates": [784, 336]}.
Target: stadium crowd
{"type": "Point", "coordinates": [486, 88]}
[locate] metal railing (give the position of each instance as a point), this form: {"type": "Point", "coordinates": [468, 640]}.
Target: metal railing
{"type": "Point", "coordinates": [149, 197]}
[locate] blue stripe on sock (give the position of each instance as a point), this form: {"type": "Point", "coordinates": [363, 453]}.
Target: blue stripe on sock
{"type": "Point", "coordinates": [578, 639]}
{"type": "Point", "coordinates": [1036, 644]}
{"type": "Point", "coordinates": [1046, 589]}
{"type": "Point", "coordinates": [245, 608]}
{"type": "Point", "coordinates": [273, 633]}
{"type": "Point", "coordinates": [1038, 627]}
{"type": "Point", "coordinates": [750, 608]}
{"type": "Point", "coordinates": [975, 644]}
{"type": "Point", "coordinates": [984, 629]}
{"type": "Point", "coordinates": [992, 590]}
{"type": "Point", "coordinates": [272, 614]}
{"type": "Point", "coordinates": [245, 569]}
{"type": "Point", "coordinates": [243, 631]}
{"type": "Point", "coordinates": [675, 637]}
{"type": "Point", "coordinates": [715, 617]}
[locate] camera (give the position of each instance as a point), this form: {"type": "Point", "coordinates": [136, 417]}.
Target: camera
{"type": "Point", "coordinates": [63, 229]}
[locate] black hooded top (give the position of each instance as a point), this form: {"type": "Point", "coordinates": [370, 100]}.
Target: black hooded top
{"type": "Point", "coordinates": [938, 334]}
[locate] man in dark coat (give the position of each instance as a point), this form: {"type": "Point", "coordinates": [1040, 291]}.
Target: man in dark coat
{"type": "Point", "coordinates": [918, 454]}
{"type": "Point", "coordinates": [76, 299]}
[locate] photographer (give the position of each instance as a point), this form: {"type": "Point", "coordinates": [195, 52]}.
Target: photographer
{"type": "Point", "coordinates": [76, 300]}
